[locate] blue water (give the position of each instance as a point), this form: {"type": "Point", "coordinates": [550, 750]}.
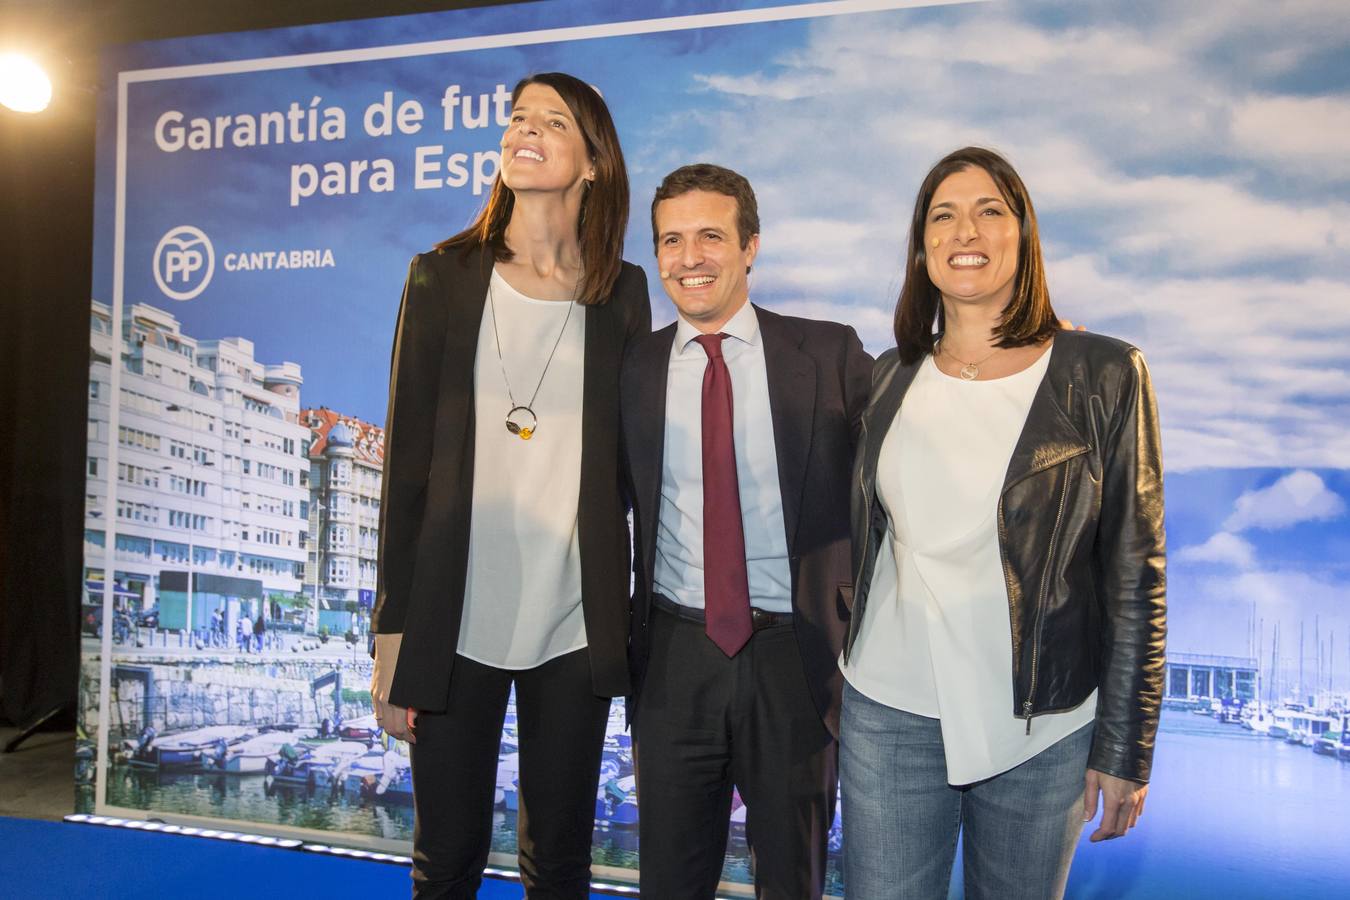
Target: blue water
{"type": "Point", "coordinates": [1229, 814]}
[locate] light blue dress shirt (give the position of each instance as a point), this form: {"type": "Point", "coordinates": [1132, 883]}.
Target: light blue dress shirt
{"type": "Point", "coordinates": [678, 573]}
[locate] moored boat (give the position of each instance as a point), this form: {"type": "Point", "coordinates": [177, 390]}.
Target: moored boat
{"type": "Point", "coordinates": [250, 756]}
{"type": "Point", "coordinates": [616, 803]}
{"type": "Point", "coordinates": [508, 777]}
{"type": "Point", "coordinates": [362, 728]}
{"type": "Point", "coordinates": [1257, 719]}
{"type": "Point", "coordinates": [1306, 727]}
{"type": "Point", "coordinates": [310, 764]}
{"type": "Point", "coordinates": [1335, 741]}
{"type": "Point", "coordinates": [381, 775]}
{"type": "Point", "coordinates": [1281, 720]}
{"type": "Point", "coordinates": [191, 749]}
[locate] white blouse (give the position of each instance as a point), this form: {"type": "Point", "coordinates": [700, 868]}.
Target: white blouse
{"type": "Point", "coordinates": [937, 639]}
{"type": "Point", "coordinates": [522, 597]}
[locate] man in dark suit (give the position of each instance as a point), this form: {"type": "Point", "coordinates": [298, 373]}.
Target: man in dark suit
{"type": "Point", "coordinates": [739, 427]}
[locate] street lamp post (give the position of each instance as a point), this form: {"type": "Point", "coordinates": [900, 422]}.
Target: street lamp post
{"type": "Point", "coordinates": [319, 510]}
{"type": "Point", "coordinates": [191, 488]}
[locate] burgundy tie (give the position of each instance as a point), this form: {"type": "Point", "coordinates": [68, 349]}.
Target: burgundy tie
{"type": "Point", "coordinates": [726, 586]}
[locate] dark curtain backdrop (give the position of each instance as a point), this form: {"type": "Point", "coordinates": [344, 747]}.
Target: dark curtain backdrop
{"type": "Point", "coordinates": [46, 218]}
{"type": "Point", "coordinates": [47, 167]}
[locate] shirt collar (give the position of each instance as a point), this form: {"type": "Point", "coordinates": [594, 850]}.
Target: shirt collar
{"type": "Point", "coordinates": [743, 326]}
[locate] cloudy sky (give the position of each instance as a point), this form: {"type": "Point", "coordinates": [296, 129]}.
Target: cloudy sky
{"type": "Point", "coordinates": [1190, 163]}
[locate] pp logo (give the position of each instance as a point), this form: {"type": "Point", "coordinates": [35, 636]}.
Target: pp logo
{"type": "Point", "coordinates": [184, 262]}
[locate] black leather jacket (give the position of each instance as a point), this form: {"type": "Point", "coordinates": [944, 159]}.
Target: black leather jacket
{"type": "Point", "coordinates": [1080, 521]}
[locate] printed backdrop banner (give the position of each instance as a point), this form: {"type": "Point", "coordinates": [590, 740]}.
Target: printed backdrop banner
{"type": "Point", "coordinates": [260, 195]}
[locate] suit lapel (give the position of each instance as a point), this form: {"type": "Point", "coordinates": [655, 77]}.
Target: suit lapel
{"type": "Point", "coordinates": [792, 403]}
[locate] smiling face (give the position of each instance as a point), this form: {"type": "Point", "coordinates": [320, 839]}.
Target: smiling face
{"type": "Point", "coordinates": [543, 148]}
{"type": "Point", "coordinates": [971, 240]}
{"type": "Point", "coordinates": [703, 264]}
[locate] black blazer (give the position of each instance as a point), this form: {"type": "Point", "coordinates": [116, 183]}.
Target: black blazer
{"type": "Point", "coordinates": [428, 474]}
{"type": "Point", "coordinates": [819, 377]}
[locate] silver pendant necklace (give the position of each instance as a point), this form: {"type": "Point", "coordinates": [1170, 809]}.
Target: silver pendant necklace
{"type": "Point", "coordinates": [520, 418]}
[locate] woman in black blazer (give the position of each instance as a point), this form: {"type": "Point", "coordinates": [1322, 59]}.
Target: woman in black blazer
{"type": "Point", "coordinates": [503, 535]}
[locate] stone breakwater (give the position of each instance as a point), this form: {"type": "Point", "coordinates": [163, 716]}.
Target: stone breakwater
{"type": "Point", "coordinates": [172, 693]}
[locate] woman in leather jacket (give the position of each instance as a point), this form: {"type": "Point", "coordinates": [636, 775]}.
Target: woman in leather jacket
{"type": "Point", "coordinates": [1005, 657]}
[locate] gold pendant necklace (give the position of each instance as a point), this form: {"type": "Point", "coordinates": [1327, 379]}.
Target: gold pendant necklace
{"type": "Point", "coordinates": [521, 419]}
{"type": "Point", "coordinates": [968, 371]}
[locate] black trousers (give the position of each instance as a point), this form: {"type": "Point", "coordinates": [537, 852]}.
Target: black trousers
{"type": "Point", "coordinates": [561, 727]}
{"type": "Point", "coordinates": [706, 723]}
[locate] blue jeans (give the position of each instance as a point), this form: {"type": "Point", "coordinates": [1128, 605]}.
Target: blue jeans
{"type": "Point", "coordinates": [901, 819]}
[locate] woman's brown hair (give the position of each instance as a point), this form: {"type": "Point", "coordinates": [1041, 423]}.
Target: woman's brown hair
{"type": "Point", "coordinates": [1028, 319]}
{"type": "Point", "coordinates": [604, 205]}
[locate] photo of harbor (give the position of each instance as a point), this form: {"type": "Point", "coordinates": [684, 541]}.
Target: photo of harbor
{"type": "Point", "coordinates": [1231, 812]}
{"type": "Point", "coordinates": [309, 755]}
{"type": "Point", "coordinates": [283, 742]}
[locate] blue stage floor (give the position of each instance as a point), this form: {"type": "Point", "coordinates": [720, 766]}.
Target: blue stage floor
{"type": "Point", "coordinates": [63, 860]}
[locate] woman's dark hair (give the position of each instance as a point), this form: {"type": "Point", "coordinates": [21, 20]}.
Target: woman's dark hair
{"type": "Point", "coordinates": [604, 205]}
{"type": "Point", "coordinates": [1029, 317]}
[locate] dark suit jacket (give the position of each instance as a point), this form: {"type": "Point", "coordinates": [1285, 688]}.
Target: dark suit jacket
{"type": "Point", "coordinates": [819, 376]}
{"type": "Point", "coordinates": [428, 474]}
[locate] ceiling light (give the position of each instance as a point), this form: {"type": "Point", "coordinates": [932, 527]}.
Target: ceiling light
{"type": "Point", "coordinates": [24, 87]}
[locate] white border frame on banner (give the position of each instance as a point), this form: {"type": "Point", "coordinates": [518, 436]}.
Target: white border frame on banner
{"type": "Point", "coordinates": [370, 54]}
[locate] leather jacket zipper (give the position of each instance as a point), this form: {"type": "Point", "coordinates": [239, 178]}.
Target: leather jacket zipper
{"type": "Point", "coordinates": [1040, 602]}
{"type": "Point", "coordinates": [1003, 558]}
